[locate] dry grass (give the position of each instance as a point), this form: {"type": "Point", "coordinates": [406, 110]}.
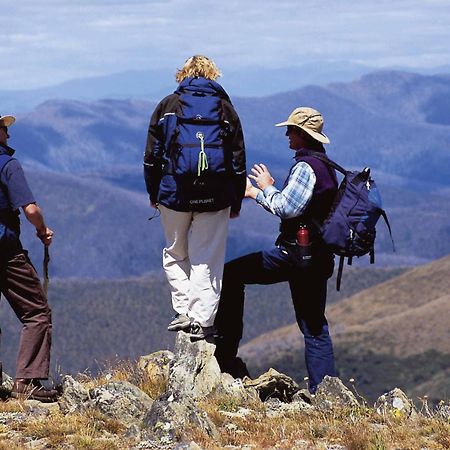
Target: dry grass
{"type": "Point", "coordinates": [87, 428]}
{"type": "Point", "coordinates": [127, 371]}
{"type": "Point", "coordinates": [358, 428]}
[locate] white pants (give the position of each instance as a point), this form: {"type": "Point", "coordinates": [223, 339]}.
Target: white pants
{"type": "Point", "coordinates": [193, 260]}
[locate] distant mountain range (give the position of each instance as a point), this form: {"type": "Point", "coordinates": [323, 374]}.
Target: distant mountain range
{"type": "Point", "coordinates": [393, 334]}
{"type": "Point", "coordinates": [153, 84]}
{"type": "Point", "coordinates": [84, 161]}
{"type": "Point", "coordinates": [390, 121]}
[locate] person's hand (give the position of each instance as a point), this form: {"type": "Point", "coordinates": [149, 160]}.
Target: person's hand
{"type": "Point", "coordinates": [234, 214]}
{"type": "Point", "coordinates": [262, 176]}
{"type": "Point", "coordinates": [153, 205]}
{"type": "Point", "coordinates": [45, 235]}
{"type": "Point", "coordinates": [250, 190]}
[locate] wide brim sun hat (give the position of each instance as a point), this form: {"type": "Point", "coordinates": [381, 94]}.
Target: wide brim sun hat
{"type": "Point", "coordinates": [309, 120]}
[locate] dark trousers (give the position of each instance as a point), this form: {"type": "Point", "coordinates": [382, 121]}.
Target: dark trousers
{"type": "Point", "coordinates": [308, 289]}
{"type": "Point", "coordinates": [20, 285]}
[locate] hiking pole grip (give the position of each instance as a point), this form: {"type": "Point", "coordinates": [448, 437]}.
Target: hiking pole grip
{"type": "Point", "coordinates": [45, 269]}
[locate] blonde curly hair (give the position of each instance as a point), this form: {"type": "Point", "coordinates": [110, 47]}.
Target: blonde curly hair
{"type": "Point", "coordinates": [198, 66]}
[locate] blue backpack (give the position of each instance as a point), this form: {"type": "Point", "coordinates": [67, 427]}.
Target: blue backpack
{"type": "Point", "coordinates": [195, 149]}
{"type": "Point", "coordinates": [349, 229]}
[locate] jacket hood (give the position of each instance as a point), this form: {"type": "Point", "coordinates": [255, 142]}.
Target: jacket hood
{"type": "Point", "coordinates": [194, 84]}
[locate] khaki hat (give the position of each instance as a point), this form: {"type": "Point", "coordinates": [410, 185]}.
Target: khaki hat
{"type": "Point", "coordinates": [309, 120]}
{"type": "Point", "coordinates": [7, 121]}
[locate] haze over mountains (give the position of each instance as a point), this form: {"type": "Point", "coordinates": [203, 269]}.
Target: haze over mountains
{"type": "Point", "coordinates": [84, 163]}
{"type": "Point", "coordinates": [390, 121]}
{"type": "Point", "coordinates": [154, 84]}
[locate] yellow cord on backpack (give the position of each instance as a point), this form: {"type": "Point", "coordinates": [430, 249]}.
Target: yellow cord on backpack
{"type": "Point", "coordinates": [202, 157]}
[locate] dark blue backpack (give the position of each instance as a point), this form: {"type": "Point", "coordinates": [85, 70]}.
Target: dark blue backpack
{"type": "Point", "coordinates": [349, 229]}
{"type": "Point", "coordinates": [195, 149]}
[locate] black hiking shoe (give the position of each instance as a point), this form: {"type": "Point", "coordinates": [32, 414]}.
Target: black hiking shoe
{"type": "Point", "coordinates": [197, 332]}
{"type": "Point", "coordinates": [179, 322]}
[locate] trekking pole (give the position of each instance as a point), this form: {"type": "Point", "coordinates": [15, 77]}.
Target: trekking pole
{"type": "Point", "coordinates": [45, 268]}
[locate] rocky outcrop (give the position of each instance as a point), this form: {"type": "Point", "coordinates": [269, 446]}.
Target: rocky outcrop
{"type": "Point", "coordinates": [332, 393]}
{"type": "Point", "coordinates": [194, 370]}
{"type": "Point", "coordinates": [395, 402]}
{"type": "Point", "coordinates": [121, 400]}
{"type": "Point", "coordinates": [75, 396]}
{"type": "Point", "coordinates": [156, 365]}
{"type": "Point", "coordinates": [172, 413]}
{"type": "Point", "coordinates": [6, 385]}
{"type": "Point", "coordinates": [273, 384]}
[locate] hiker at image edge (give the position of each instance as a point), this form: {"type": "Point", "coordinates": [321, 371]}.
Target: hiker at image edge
{"type": "Point", "coordinates": [19, 282]}
{"type": "Point", "coordinates": [298, 256]}
{"type": "Point", "coordinates": [194, 169]}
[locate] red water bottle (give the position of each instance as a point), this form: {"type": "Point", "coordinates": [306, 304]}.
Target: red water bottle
{"type": "Point", "coordinates": [304, 246]}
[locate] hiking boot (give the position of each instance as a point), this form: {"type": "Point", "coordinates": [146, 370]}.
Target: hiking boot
{"type": "Point", "coordinates": [197, 332]}
{"type": "Point", "coordinates": [179, 322]}
{"type": "Point", "coordinates": [33, 390]}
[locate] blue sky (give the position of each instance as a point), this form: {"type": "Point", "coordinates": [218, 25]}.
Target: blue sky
{"type": "Point", "coordinates": [49, 41]}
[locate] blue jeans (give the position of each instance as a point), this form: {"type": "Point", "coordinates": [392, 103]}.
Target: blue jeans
{"type": "Point", "coordinates": [308, 290]}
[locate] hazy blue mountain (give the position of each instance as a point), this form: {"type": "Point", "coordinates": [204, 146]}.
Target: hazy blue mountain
{"type": "Point", "coordinates": [153, 84]}
{"type": "Point", "coordinates": [390, 121]}
{"type": "Point", "coordinates": [102, 229]}
{"type": "Point", "coordinates": [84, 162]}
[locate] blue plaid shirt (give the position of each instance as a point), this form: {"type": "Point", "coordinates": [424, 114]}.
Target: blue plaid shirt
{"type": "Point", "coordinates": [295, 196]}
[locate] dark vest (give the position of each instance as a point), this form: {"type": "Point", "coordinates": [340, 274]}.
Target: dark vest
{"type": "Point", "coordinates": [320, 204]}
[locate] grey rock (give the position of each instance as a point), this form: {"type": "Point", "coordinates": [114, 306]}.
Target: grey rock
{"type": "Point", "coordinates": [74, 396]}
{"type": "Point", "coordinates": [156, 365]}
{"type": "Point", "coordinates": [122, 401]}
{"type": "Point", "coordinates": [395, 402]}
{"type": "Point", "coordinates": [170, 415]}
{"type": "Point", "coordinates": [332, 393]}
{"type": "Point", "coordinates": [195, 371]}
{"type": "Point", "coordinates": [6, 385]}
{"type": "Point", "coordinates": [277, 408]}
{"type": "Point", "coordinates": [188, 446]}
{"type": "Point", "coordinates": [443, 411]}
{"type": "Point", "coordinates": [273, 384]}
{"type": "Point", "coordinates": [303, 395]}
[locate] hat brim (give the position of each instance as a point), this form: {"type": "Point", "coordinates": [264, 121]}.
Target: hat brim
{"type": "Point", "coordinates": [7, 121]}
{"type": "Point", "coordinates": [317, 136]}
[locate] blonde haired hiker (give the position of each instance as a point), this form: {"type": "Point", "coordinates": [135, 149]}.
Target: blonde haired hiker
{"type": "Point", "coordinates": [194, 169]}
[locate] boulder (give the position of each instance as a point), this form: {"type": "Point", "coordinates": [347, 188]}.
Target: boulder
{"type": "Point", "coordinates": [332, 393]}
{"type": "Point", "coordinates": [156, 365]}
{"type": "Point", "coordinates": [395, 402]}
{"type": "Point", "coordinates": [172, 413]}
{"type": "Point", "coordinates": [7, 383]}
{"type": "Point", "coordinates": [273, 384]}
{"type": "Point", "coordinates": [74, 396]}
{"type": "Point", "coordinates": [122, 401]}
{"type": "Point", "coordinates": [194, 370]}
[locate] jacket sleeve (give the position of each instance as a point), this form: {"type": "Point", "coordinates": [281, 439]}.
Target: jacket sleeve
{"type": "Point", "coordinates": [155, 147]}
{"type": "Point", "coordinates": [238, 155]}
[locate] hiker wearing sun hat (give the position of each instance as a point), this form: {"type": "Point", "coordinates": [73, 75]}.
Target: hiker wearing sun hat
{"type": "Point", "coordinates": [304, 200]}
{"type": "Point", "coordinates": [19, 282]}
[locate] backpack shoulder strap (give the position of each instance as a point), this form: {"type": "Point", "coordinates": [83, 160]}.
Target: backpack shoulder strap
{"type": "Point", "coordinates": [324, 158]}
{"type": "Point", "coordinates": [384, 215]}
